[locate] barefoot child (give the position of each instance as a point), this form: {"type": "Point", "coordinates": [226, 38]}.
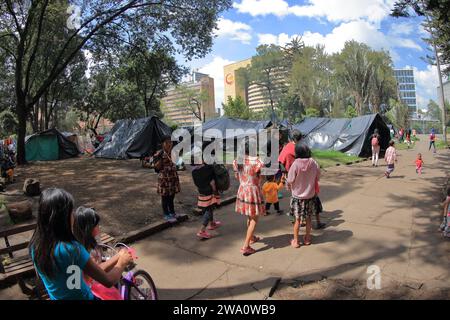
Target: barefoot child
{"type": "Point", "coordinates": [390, 158]}
{"type": "Point", "coordinates": [208, 198]}
{"type": "Point", "coordinates": [419, 164]}
{"type": "Point", "coordinates": [301, 180]}
{"type": "Point", "coordinates": [270, 191]}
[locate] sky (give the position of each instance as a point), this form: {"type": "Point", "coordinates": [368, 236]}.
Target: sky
{"type": "Point", "coordinates": [328, 22]}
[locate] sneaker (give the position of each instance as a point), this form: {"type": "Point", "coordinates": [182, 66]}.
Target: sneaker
{"type": "Point", "coordinates": [170, 219]}
{"type": "Point", "coordinates": [204, 235]}
{"type": "Point", "coordinates": [215, 225]}
{"type": "Point", "coordinates": [174, 215]}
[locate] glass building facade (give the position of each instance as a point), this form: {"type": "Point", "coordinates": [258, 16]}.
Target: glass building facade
{"type": "Point", "coordinates": [407, 88]}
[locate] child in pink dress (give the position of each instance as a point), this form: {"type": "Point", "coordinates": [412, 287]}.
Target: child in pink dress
{"type": "Point", "coordinates": [250, 200]}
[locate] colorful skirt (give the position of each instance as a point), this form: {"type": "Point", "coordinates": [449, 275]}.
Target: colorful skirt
{"type": "Point", "coordinates": [304, 208]}
{"type": "Point", "coordinates": [205, 202]}
{"type": "Point", "coordinates": [250, 201]}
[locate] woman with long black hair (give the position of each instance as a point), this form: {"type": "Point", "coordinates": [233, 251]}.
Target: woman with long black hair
{"type": "Point", "coordinates": [59, 259]}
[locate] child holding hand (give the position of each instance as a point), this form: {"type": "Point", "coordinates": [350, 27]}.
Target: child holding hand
{"type": "Point", "coordinates": [270, 191]}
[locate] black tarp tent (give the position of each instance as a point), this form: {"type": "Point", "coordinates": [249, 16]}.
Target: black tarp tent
{"type": "Point", "coordinates": [233, 128]}
{"type": "Point", "coordinates": [351, 136]}
{"type": "Point", "coordinates": [130, 139]}
{"type": "Point", "coordinates": [49, 145]}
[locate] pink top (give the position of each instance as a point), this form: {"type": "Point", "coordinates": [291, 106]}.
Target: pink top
{"type": "Point", "coordinates": [302, 178]}
{"type": "Point", "coordinates": [391, 155]}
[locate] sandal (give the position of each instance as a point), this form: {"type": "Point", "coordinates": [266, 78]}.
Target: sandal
{"type": "Point", "coordinates": [255, 239]}
{"type": "Point", "coordinates": [248, 251]}
{"type": "Point", "coordinates": [295, 244]}
{"type": "Point", "coordinates": [307, 243]}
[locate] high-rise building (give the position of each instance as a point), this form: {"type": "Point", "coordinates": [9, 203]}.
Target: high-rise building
{"type": "Point", "coordinates": [176, 108]}
{"type": "Point", "coordinates": [407, 88]}
{"type": "Point", "coordinates": [446, 92]}
{"type": "Point", "coordinates": [255, 96]}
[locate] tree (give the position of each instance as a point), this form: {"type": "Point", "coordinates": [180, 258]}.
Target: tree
{"type": "Point", "coordinates": [398, 115]}
{"type": "Point", "coordinates": [236, 108]}
{"type": "Point", "coordinates": [383, 82]}
{"type": "Point", "coordinates": [187, 25]}
{"type": "Point", "coordinates": [311, 113]}
{"type": "Point", "coordinates": [193, 101]}
{"type": "Point", "coordinates": [355, 69]}
{"type": "Point", "coordinates": [151, 72]}
{"type": "Point", "coordinates": [268, 72]}
{"type": "Point", "coordinates": [8, 123]}
{"type": "Point", "coordinates": [434, 111]}
{"type": "Point", "coordinates": [310, 78]}
{"type": "Point", "coordinates": [351, 112]}
{"type": "Point", "coordinates": [437, 13]}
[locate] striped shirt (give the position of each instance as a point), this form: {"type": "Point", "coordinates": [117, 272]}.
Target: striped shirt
{"type": "Point", "coordinates": [391, 155]}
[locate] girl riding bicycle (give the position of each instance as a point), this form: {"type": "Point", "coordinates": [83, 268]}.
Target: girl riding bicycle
{"type": "Point", "coordinates": [85, 227]}
{"type": "Point", "coordinates": [58, 256]}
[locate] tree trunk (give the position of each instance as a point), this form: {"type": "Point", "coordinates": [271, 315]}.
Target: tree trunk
{"type": "Point", "coordinates": [21, 109]}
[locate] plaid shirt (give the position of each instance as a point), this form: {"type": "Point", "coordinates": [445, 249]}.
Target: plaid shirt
{"type": "Point", "coordinates": [391, 155]}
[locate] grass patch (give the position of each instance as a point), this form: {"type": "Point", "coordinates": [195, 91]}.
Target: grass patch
{"type": "Point", "coordinates": [440, 145]}
{"type": "Point", "coordinates": [404, 146]}
{"type": "Point", "coordinates": [329, 158]}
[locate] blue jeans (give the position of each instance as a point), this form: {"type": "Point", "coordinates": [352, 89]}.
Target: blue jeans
{"type": "Point", "coordinates": [208, 216]}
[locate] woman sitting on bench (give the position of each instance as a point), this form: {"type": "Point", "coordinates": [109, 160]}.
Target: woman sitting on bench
{"type": "Point", "coordinates": [59, 259]}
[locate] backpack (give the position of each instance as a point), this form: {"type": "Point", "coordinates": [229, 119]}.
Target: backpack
{"type": "Point", "coordinates": [432, 137]}
{"type": "Point", "coordinates": [375, 141]}
{"type": "Point", "coordinates": [222, 177]}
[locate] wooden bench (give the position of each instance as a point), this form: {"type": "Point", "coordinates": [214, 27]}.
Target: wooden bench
{"type": "Point", "coordinates": [18, 268]}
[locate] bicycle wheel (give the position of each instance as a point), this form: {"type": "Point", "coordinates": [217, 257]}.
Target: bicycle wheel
{"type": "Point", "coordinates": [143, 288]}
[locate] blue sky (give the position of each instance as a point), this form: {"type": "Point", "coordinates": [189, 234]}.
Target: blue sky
{"type": "Point", "coordinates": [329, 22]}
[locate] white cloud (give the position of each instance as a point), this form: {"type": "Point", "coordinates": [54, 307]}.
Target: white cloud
{"type": "Point", "coordinates": [361, 31]}
{"type": "Point", "coordinates": [234, 30]}
{"type": "Point", "coordinates": [255, 8]}
{"type": "Point", "coordinates": [332, 10]}
{"type": "Point", "coordinates": [402, 29]}
{"type": "Point", "coordinates": [215, 70]}
{"type": "Point", "coordinates": [427, 82]}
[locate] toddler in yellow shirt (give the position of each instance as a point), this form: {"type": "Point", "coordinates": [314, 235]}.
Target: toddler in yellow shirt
{"type": "Point", "coordinates": [270, 191]}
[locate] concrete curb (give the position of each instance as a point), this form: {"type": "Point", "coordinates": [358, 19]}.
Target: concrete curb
{"type": "Point", "coordinates": [274, 287]}
{"type": "Point", "coordinates": [149, 230]}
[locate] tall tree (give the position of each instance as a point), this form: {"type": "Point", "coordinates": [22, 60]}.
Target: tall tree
{"type": "Point", "coordinates": [355, 69]}
{"type": "Point", "coordinates": [187, 25]}
{"type": "Point", "coordinates": [383, 82]}
{"type": "Point", "coordinates": [268, 72]}
{"type": "Point", "coordinates": [398, 115]}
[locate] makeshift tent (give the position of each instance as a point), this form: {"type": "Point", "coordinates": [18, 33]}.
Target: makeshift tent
{"type": "Point", "coordinates": [48, 146]}
{"type": "Point", "coordinates": [74, 138]}
{"type": "Point", "coordinates": [351, 136]}
{"type": "Point", "coordinates": [133, 139]}
{"type": "Point", "coordinates": [233, 128]}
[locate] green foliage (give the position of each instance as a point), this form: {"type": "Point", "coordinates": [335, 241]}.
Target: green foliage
{"type": "Point", "coordinates": [8, 123]}
{"type": "Point", "coordinates": [329, 158]}
{"type": "Point", "coordinates": [398, 114]}
{"type": "Point", "coordinates": [236, 108]}
{"type": "Point", "coordinates": [312, 113]}
{"type": "Point", "coordinates": [351, 112]}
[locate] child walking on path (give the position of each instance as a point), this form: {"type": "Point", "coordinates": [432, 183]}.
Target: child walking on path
{"type": "Point", "coordinates": [302, 178]}
{"type": "Point", "coordinates": [445, 226]}
{"type": "Point", "coordinates": [208, 199]}
{"type": "Point", "coordinates": [419, 164]}
{"type": "Point", "coordinates": [249, 200]}
{"type": "Point", "coordinates": [390, 158]}
{"type": "Point", "coordinates": [270, 191]}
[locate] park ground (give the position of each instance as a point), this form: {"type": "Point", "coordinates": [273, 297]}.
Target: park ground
{"type": "Point", "coordinates": [371, 221]}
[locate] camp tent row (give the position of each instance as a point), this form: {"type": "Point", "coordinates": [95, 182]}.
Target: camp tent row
{"type": "Point", "coordinates": [130, 139]}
